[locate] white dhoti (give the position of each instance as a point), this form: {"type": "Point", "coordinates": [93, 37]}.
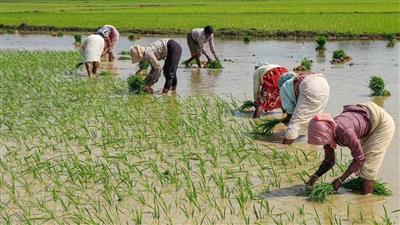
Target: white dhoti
{"type": "Point", "coordinates": [377, 141]}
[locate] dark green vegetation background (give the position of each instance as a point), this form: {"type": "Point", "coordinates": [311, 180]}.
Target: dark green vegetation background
{"type": "Point", "coordinates": [177, 16]}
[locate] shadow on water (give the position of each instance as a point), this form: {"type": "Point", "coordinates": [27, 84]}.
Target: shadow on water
{"type": "Point", "coordinates": [295, 190]}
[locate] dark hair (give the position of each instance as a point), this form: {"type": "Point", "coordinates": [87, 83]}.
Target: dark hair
{"type": "Point", "coordinates": [208, 29]}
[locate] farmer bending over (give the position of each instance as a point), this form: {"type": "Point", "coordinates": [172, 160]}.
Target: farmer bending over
{"type": "Point", "coordinates": [302, 96]}
{"type": "Point", "coordinates": [366, 129]}
{"type": "Point", "coordinates": [196, 40]}
{"type": "Point", "coordinates": [111, 36]}
{"type": "Point", "coordinates": [265, 87]}
{"type": "Point", "coordinates": [167, 49]}
{"type": "Point", "coordinates": [92, 49]}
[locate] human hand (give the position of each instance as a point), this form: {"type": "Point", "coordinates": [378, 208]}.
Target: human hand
{"type": "Point", "coordinates": [287, 141]}
{"type": "Point", "coordinates": [312, 180]}
{"type": "Point", "coordinates": [337, 183]}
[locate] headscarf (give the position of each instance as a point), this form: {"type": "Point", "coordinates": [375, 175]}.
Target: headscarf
{"type": "Point", "coordinates": [285, 77]}
{"type": "Point", "coordinates": [137, 53]}
{"type": "Point", "coordinates": [322, 130]}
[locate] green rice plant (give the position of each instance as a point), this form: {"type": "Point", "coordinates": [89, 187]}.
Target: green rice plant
{"type": "Point", "coordinates": [246, 39]}
{"type": "Point", "coordinates": [131, 37]}
{"type": "Point", "coordinates": [321, 41]}
{"type": "Point", "coordinates": [247, 105]}
{"type": "Point", "coordinates": [124, 53]}
{"type": "Point", "coordinates": [77, 38]}
{"type": "Point", "coordinates": [391, 37]}
{"type": "Point", "coordinates": [355, 184]}
{"type": "Point", "coordinates": [216, 64]}
{"type": "Point", "coordinates": [60, 34]}
{"type": "Point", "coordinates": [377, 86]}
{"type": "Point", "coordinates": [136, 84]}
{"type": "Point", "coordinates": [320, 192]}
{"type": "Point", "coordinates": [339, 56]}
{"type": "Point", "coordinates": [266, 126]}
{"type": "Point", "coordinates": [124, 57]}
{"type": "Point", "coordinates": [144, 65]}
{"type": "Point", "coordinates": [105, 74]}
{"type": "Point", "coordinates": [305, 65]}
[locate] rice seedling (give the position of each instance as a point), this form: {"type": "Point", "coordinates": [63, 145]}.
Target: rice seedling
{"type": "Point", "coordinates": [391, 37]}
{"type": "Point", "coordinates": [246, 39]}
{"type": "Point", "coordinates": [216, 64]}
{"type": "Point", "coordinates": [105, 74]}
{"type": "Point", "coordinates": [247, 105]}
{"type": "Point", "coordinates": [123, 53]}
{"type": "Point", "coordinates": [320, 192]}
{"type": "Point", "coordinates": [355, 184]}
{"type": "Point", "coordinates": [265, 126]}
{"type": "Point", "coordinates": [377, 86]}
{"type": "Point", "coordinates": [321, 41]}
{"type": "Point", "coordinates": [136, 84]}
{"type": "Point", "coordinates": [124, 57]}
{"type": "Point", "coordinates": [131, 37]}
{"type": "Point", "coordinates": [339, 56]}
{"type": "Point", "coordinates": [305, 65]}
{"type": "Point", "coordinates": [60, 34]}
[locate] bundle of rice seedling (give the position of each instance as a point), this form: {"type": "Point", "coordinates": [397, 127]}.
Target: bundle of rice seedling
{"type": "Point", "coordinates": [136, 84]}
{"type": "Point", "coordinates": [246, 39]}
{"type": "Point", "coordinates": [392, 39]}
{"type": "Point", "coordinates": [377, 86]}
{"type": "Point", "coordinates": [124, 53]}
{"type": "Point", "coordinates": [216, 64]}
{"type": "Point", "coordinates": [78, 39]}
{"type": "Point", "coordinates": [320, 192]}
{"type": "Point", "coordinates": [143, 66]}
{"type": "Point", "coordinates": [339, 56]}
{"type": "Point", "coordinates": [266, 127]}
{"type": "Point", "coordinates": [131, 37]}
{"type": "Point", "coordinates": [321, 40]}
{"type": "Point", "coordinates": [305, 65]}
{"type": "Point", "coordinates": [124, 57]}
{"type": "Point", "coordinates": [355, 184]}
{"type": "Point", "coordinates": [247, 105]}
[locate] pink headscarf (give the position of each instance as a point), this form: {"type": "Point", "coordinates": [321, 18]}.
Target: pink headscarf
{"type": "Point", "coordinates": [321, 130]}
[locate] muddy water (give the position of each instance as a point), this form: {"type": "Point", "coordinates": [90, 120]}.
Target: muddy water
{"type": "Point", "coordinates": [348, 85]}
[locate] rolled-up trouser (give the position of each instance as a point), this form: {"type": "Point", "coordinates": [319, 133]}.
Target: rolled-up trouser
{"type": "Point", "coordinates": [193, 45]}
{"type": "Point", "coordinates": [377, 141]}
{"type": "Point", "coordinates": [313, 98]}
{"type": "Point", "coordinates": [174, 54]}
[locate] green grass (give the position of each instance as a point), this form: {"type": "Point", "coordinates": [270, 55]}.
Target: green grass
{"type": "Point", "coordinates": [356, 17]}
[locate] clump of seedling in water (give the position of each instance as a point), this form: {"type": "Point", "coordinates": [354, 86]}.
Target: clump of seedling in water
{"type": "Point", "coordinates": [216, 64]}
{"type": "Point", "coordinates": [321, 41]}
{"type": "Point", "coordinates": [305, 65]}
{"type": "Point", "coordinates": [78, 39]}
{"type": "Point", "coordinates": [355, 184]}
{"type": "Point", "coordinates": [124, 57]}
{"type": "Point", "coordinates": [131, 37]}
{"type": "Point", "coordinates": [377, 86]}
{"type": "Point", "coordinates": [320, 192]}
{"type": "Point", "coordinates": [246, 39]}
{"type": "Point", "coordinates": [60, 34]}
{"type": "Point", "coordinates": [124, 53]}
{"type": "Point", "coordinates": [136, 84]}
{"type": "Point", "coordinates": [339, 56]}
{"type": "Point", "coordinates": [266, 126]}
{"type": "Point", "coordinates": [391, 37]}
{"type": "Point", "coordinates": [247, 105]}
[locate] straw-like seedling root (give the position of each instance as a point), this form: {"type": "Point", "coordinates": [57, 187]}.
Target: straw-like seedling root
{"type": "Point", "coordinates": [266, 127]}
{"type": "Point", "coordinates": [355, 184]}
{"type": "Point", "coordinates": [247, 105]}
{"type": "Point", "coordinates": [320, 192]}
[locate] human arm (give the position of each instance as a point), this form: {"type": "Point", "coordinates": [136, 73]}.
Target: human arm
{"type": "Point", "coordinates": [212, 47]}
{"type": "Point", "coordinates": [156, 68]}
{"type": "Point", "coordinates": [325, 166]}
{"type": "Point", "coordinates": [350, 139]}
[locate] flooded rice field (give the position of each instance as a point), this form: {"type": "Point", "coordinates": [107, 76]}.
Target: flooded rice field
{"type": "Point", "coordinates": [348, 84]}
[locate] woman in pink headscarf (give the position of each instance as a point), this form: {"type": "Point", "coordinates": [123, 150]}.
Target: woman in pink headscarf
{"type": "Point", "coordinates": [366, 129]}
